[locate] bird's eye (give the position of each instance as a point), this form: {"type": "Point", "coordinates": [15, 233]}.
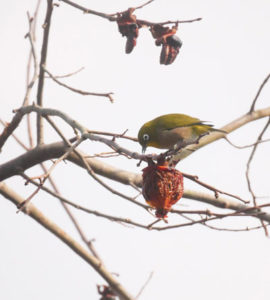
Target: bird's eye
{"type": "Point", "coordinates": [146, 137]}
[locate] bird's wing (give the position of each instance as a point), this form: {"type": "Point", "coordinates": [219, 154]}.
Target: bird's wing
{"type": "Point", "coordinates": [178, 120]}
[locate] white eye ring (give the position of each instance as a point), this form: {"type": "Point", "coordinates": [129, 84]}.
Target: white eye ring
{"type": "Point", "coordinates": [146, 137]}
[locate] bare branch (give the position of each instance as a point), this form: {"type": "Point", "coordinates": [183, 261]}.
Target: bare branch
{"type": "Point", "coordinates": [44, 50]}
{"type": "Point", "coordinates": [246, 146]}
{"type": "Point", "coordinates": [114, 135]}
{"type": "Point", "coordinates": [38, 216]}
{"type": "Point", "coordinates": [248, 169]}
{"type": "Point", "coordinates": [67, 75]}
{"type": "Point", "coordinates": [5, 124]}
{"type": "Point", "coordinates": [258, 93]}
{"type": "Point", "coordinates": [147, 23]}
{"type": "Point", "coordinates": [215, 190]}
{"type": "Point", "coordinates": [32, 56]}
{"type": "Point", "coordinates": [145, 285]}
{"type": "Point", "coordinates": [230, 127]}
{"type": "Point", "coordinates": [88, 242]}
{"type": "Point", "coordinates": [135, 8]}
{"type": "Point", "coordinates": [251, 158]}
{"type": "Point", "coordinates": [84, 93]}
{"type": "Point", "coordinates": [55, 150]}
{"type": "Point", "coordinates": [114, 16]}
{"type": "Point", "coordinates": [89, 11]}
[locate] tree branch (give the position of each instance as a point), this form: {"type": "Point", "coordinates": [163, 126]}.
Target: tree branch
{"type": "Point", "coordinates": [44, 50]}
{"type": "Point", "coordinates": [55, 150]}
{"type": "Point", "coordinates": [230, 127]}
{"type": "Point", "coordinates": [84, 93]}
{"type": "Point", "coordinates": [258, 93]}
{"type": "Point", "coordinates": [38, 216]}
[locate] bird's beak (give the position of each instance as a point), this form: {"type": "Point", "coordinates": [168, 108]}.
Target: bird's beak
{"type": "Point", "coordinates": [143, 149]}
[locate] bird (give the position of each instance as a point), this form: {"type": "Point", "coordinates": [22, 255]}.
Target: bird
{"type": "Point", "coordinates": [173, 130]}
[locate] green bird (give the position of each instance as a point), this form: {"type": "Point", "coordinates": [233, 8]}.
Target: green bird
{"type": "Point", "coordinates": [173, 130]}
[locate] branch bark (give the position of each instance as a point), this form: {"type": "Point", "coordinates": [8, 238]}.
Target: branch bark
{"type": "Point", "coordinates": [44, 50]}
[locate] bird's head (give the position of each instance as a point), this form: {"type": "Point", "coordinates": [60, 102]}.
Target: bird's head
{"type": "Point", "coordinates": [147, 136]}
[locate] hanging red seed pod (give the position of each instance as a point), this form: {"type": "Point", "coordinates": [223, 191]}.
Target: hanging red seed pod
{"type": "Point", "coordinates": [128, 27]}
{"type": "Point", "coordinates": [162, 187]}
{"type": "Point", "coordinates": [170, 42]}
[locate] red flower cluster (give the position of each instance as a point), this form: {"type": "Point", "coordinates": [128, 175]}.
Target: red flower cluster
{"type": "Point", "coordinates": [170, 42]}
{"type": "Point", "coordinates": [162, 187]}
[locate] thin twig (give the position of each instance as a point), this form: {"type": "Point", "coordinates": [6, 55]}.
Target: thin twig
{"type": "Point", "coordinates": [215, 190]}
{"type": "Point", "coordinates": [44, 51]}
{"type": "Point", "coordinates": [88, 242]}
{"type": "Point", "coordinates": [5, 124]}
{"type": "Point", "coordinates": [23, 205]}
{"type": "Point", "coordinates": [247, 212]}
{"type": "Point", "coordinates": [258, 93]}
{"type": "Point", "coordinates": [147, 23]}
{"type": "Point", "coordinates": [67, 75]}
{"type": "Point", "coordinates": [72, 148]}
{"type": "Point", "coordinates": [226, 229]}
{"type": "Point", "coordinates": [91, 171]}
{"type": "Point", "coordinates": [103, 155]}
{"type": "Point", "coordinates": [114, 135]}
{"type": "Point", "coordinates": [145, 285]}
{"type": "Point", "coordinates": [45, 176]}
{"type": "Point", "coordinates": [84, 93]}
{"type": "Point", "coordinates": [37, 215]}
{"type": "Point", "coordinates": [248, 170]}
{"type": "Point", "coordinates": [89, 11]}
{"type": "Point", "coordinates": [85, 209]}
{"type": "Point", "coordinates": [135, 8]}
{"type": "Point", "coordinates": [246, 146]}
{"type": "Point", "coordinates": [32, 55]}
{"type": "Point", "coordinates": [230, 127]}
{"type": "Point", "coordinates": [113, 17]}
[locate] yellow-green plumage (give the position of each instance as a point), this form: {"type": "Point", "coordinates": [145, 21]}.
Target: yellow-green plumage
{"type": "Point", "coordinates": [166, 131]}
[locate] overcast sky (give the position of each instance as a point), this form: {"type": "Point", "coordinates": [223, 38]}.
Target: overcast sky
{"type": "Point", "coordinates": [223, 61]}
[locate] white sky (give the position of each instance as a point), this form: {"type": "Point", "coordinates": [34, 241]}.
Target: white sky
{"type": "Point", "coordinates": [223, 61]}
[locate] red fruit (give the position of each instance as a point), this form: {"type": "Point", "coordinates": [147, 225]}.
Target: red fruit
{"type": "Point", "coordinates": [162, 188]}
